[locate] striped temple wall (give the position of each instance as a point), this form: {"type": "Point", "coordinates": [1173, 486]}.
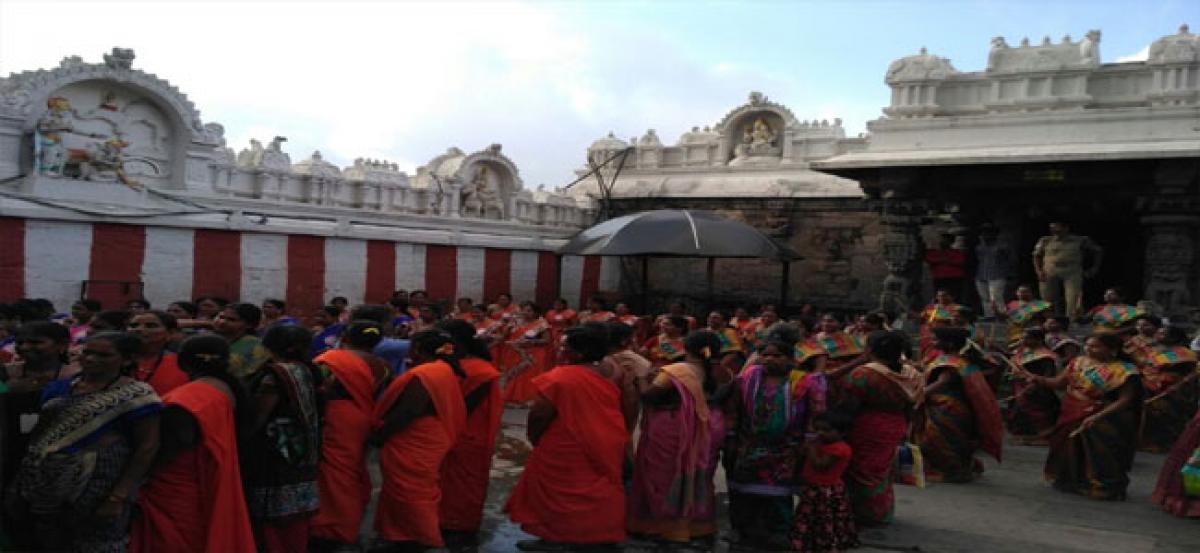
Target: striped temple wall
{"type": "Point", "coordinates": [53, 259]}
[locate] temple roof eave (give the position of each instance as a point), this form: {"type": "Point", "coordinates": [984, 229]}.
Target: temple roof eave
{"type": "Point", "coordinates": [1044, 153]}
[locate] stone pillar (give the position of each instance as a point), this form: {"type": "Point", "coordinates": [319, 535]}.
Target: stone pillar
{"type": "Point", "coordinates": [1170, 219]}
{"type": "Point", "coordinates": [901, 218]}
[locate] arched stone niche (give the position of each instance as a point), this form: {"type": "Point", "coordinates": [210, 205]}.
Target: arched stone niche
{"type": "Point", "coordinates": [756, 137]}
{"type": "Point", "coordinates": [97, 119]}
{"type": "Point", "coordinates": [756, 133]}
{"type": "Point", "coordinates": [490, 182]}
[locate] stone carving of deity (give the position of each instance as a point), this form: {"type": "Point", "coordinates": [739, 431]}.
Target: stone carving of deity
{"type": "Point", "coordinates": [758, 139]}
{"type": "Point", "coordinates": [481, 195]}
{"type": "Point", "coordinates": [50, 154]}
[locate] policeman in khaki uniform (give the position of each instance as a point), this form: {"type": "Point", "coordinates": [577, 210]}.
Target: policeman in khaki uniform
{"type": "Point", "coordinates": [1058, 260]}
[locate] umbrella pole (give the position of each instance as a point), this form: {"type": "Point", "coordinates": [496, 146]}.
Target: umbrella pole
{"type": "Point", "coordinates": [785, 285]}
{"type": "Point", "coordinates": [645, 285]}
{"type": "Point", "coordinates": [711, 276]}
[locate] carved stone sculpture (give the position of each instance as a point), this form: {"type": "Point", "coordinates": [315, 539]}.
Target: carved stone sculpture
{"type": "Point", "coordinates": [1169, 255]}
{"type": "Point", "coordinates": [50, 153]}
{"type": "Point", "coordinates": [481, 197]}
{"type": "Point", "coordinates": [120, 58]}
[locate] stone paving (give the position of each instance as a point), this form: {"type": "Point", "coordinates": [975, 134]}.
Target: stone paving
{"type": "Point", "coordinates": [1008, 510]}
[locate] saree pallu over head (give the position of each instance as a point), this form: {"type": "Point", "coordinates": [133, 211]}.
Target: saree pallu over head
{"type": "Point", "coordinates": [466, 470]}
{"type": "Point", "coordinates": [939, 313]}
{"type": "Point", "coordinates": [1020, 312]}
{"type": "Point", "coordinates": [989, 423]}
{"type": "Point", "coordinates": [572, 489]}
{"type": "Point", "coordinates": [730, 341]}
{"type": "Point", "coordinates": [672, 493]}
{"type": "Point", "coordinates": [1112, 317]}
{"type": "Point", "coordinates": [343, 482]}
{"type": "Point", "coordinates": [1024, 356]}
{"type": "Point", "coordinates": [808, 350]}
{"type": "Point", "coordinates": [770, 427]}
{"type": "Point", "coordinates": [667, 349]}
{"type": "Point", "coordinates": [60, 463]}
{"type": "Point", "coordinates": [196, 502]}
{"type": "Point", "coordinates": [411, 459]}
{"type": "Point", "coordinates": [840, 345]}
{"type": "Point", "coordinates": [1166, 414]}
{"type": "Point", "coordinates": [1166, 365]}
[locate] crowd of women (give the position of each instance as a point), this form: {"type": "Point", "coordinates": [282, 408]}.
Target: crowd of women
{"type": "Point", "coordinates": [215, 426]}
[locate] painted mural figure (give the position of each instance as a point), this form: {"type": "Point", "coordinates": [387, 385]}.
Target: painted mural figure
{"type": "Point", "coordinates": [50, 154]}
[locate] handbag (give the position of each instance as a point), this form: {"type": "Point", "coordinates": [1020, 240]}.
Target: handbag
{"type": "Point", "coordinates": [909, 468]}
{"type": "Point", "coordinates": [1191, 475]}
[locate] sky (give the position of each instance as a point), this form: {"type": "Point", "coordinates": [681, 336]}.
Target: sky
{"type": "Point", "coordinates": [403, 81]}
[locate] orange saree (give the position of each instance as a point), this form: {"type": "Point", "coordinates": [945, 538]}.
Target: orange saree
{"type": "Point", "coordinates": [467, 467]}
{"type": "Point", "coordinates": [522, 358]}
{"type": "Point", "coordinates": [344, 484]}
{"type": "Point", "coordinates": [195, 503]}
{"type": "Point", "coordinates": [411, 459]}
{"type": "Point", "coordinates": [571, 490]}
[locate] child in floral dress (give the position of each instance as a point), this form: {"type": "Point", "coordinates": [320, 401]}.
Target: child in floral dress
{"type": "Point", "coordinates": [824, 522]}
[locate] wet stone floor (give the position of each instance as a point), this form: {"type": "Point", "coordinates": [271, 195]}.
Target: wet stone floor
{"type": "Point", "coordinates": [1008, 510]}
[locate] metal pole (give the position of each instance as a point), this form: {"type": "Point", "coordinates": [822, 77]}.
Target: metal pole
{"type": "Point", "coordinates": [645, 308]}
{"type": "Point", "coordinates": [785, 285]}
{"type": "Point", "coordinates": [711, 276]}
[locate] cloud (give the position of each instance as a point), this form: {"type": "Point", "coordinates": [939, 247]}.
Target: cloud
{"type": "Point", "coordinates": [1140, 55]}
{"type": "Point", "coordinates": [403, 81]}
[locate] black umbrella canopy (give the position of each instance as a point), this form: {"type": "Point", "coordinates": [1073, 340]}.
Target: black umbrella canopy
{"type": "Point", "coordinates": [675, 232]}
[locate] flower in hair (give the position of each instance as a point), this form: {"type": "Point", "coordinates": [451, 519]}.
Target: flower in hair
{"type": "Point", "coordinates": [706, 352]}
{"type": "Point", "coordinates": [371, 330]}
{"type": "Point", "coordinates": [445, 349]}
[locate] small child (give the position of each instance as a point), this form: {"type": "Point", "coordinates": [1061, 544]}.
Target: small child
{"type": "Point", "coordinates": [824, 522]}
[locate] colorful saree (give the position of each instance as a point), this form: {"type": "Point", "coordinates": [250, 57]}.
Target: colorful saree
{"type": "Point", "coordinates": [1096, 461]}
{"type": "Point", "coordinates": [246, 356]}
{"type": "Point", "coordinates": [663, 350]}
{"type": "Point", "coordinates": [77, 453]}
{"type": "Point", "coordinates": [1107, 318]}
{"type": "Point", "coordinates": [883, 399]}
{"type": "Point", "coordinates": [957, 419]}
{"type": "Point", "coordinates": [1020, 313]}
{"type": "Point", "coordinates": [1033, 409]}
{"type": "Point", "coordinates": [672, 495]}
{"type": "Point", "coordinates": [767, 435]}
{"type": "Point", "coordinates": [1169, 492]}
{"type": "Point", "coordinates": [1172, 401]}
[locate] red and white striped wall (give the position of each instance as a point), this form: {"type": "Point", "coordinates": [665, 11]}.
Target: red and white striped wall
{"type": "Point", "coordinates": [52, 259]}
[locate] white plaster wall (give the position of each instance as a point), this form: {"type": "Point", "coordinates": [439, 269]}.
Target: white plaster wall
{"type": "Point", "coordinates": [57, 260]}
{"type": "Point", "coordinates": [523, 276]}
{"type": "Point", "coordinates": [264, 267]}
{"type": "Point", "coordinates": [345, 269]}
{"type": "Point", "coordinates": [167, 268]}
{"type": "Point", "coordinates": [571, 283]}
{"type": "Point", "coordinates": [610, 274]}
{"type": "Point", "coordinates": [471, 268]}
{"type": "Point", "coordinates": [410, 267]}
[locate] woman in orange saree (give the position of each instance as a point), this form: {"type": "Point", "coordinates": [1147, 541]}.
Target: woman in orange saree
{"type": "Point", "coordinates": [467, 469]}
{"type": "Point", "coordinates": [525, 353]}
{"type": "Point", "coordinates": [353, 378]}
{"type": "Point", "coordinates": [1094, 441]}
{"type": "Point", "coordinates": [417, 420]}
{"type": "Point", "coordinates": [193, 501]}
{"type": "Point", "coordinates": [571, 491]}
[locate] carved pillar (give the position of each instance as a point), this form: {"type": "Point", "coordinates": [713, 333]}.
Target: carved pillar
{"type": "Point", "coordinates": [1170, 218]}
{"type": "Point", "coordinates": [901, 217]}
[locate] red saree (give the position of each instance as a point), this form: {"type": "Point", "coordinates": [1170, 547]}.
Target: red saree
{"type": "Point", "coordinates": [880, 424]}
{"type": "Point", "coordinates": [571, 490]}
{"type": "Point", "coordinates": [196, 502]}
{"type": "Point", "coordinates": [520, 361]}
{"type": "Point", "coordinates": [412, 458]}
{"type": "Point", "coordinates": [344, 484]}
{"type": "Point", "coordinates": [467, 468]}
{"type": "Point", "coordinates": [161, 373]}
